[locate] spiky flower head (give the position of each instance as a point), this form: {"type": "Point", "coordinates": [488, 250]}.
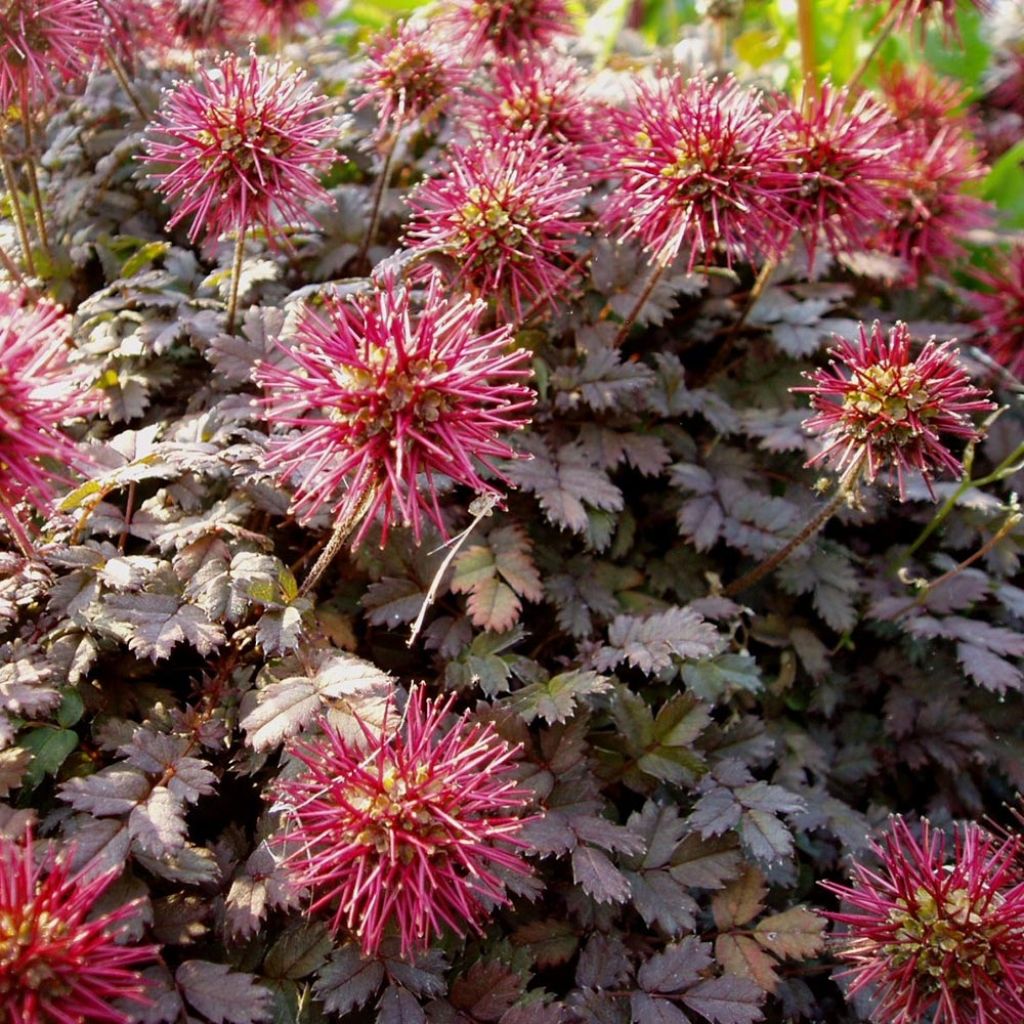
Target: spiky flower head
{"type": "Point", "coordinates": [409, 74]}
{"type": "Point", "coordinates": [931, 211]}
{"type": "Point", "coordinates": [919, 96]}
{"type": "Point", "coordinates": [702, 168]}
{"type": "Point", "coordinates": [275, 19]}
{"type": "Point", "coordinates": [241, 147]}
{"type": "Point", "coordinates": [543, 97]}
{"type": "Point", "coordinates": [508, 213]}
{"type": "Point", "coordinates": [384, 400]}
{"type": "Point", "coordinates": [506, 27]}
{"type": "Point", "coordinates": [879, 408]}
{"type": "Point", "coordinates": [44, 44]}
{"type": "Point", "coordinates": [407, 831]}
{"type": "Point", "coordinates": [1001, 324]}
{"type": "Point", "coordinates": [907, 13]}
{"type": "Point", "coordinates": [844, 156]}
{"type": "Point", "coordinates": [40, 392]}
{"type": "Point", "coordinates": [60, 961]}
{"type": "Point", "coordinates": [934, 934]}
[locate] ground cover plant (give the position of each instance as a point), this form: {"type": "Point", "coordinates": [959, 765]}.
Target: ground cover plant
{"type": "Point", "coordinates": [507, 513]}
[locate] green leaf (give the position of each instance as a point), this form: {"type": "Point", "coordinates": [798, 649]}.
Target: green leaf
{"type": "Point", "coordinates": [50, 749]}
{"type": "Point", "coordinates": [71, 709]}
{"type": "Point", "coordinates": [1004, 185]}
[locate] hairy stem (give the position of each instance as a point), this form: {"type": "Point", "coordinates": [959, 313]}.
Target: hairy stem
{"type": "Point", "coordinates": [11, 185]}
{"type": "Point", "coordinates": [378, 196]}
{"type": "Point", "coordinates": [848, 483]}
{"type": "Point", "coordinates": [122, 76]}
{"type": "Point", "coordinates": [342, 529]}
{"type": "Point", "coordinates": [236, 279]}
{"type": "Point", "coordinates": [627, 324]}
{"type": "Point", "coordinates": [884, 30]}
{"type": "Point", "coordinates": [33, 184]}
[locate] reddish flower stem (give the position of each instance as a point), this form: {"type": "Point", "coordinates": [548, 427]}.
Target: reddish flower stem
{"type": "Point", "coordinates": [627, 324]}
{"type": "Point", "coordinates": [378, 195]}
{"type": "Point", "coordinates": [122, 76]}
{"type": "Point", "coordinates": [33, 184]}
{"type": "Point", "coordinates": [236, 278]}
{"type": "Point", "coordinates": [18, 532]}
{"type": "Point", "coordinates": [342, 530]}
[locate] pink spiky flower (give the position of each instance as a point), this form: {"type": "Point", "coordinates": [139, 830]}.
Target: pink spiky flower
{"type": "Point", "coordinates": [409, 74]}
{"type": "Point", "coordinates": [931, 211]}
{"type": "Point", "coordinates": [506, 27]}
{"type": "Point", "coordinates": [919, 96]}
{"type": "Point", "coordinates": [59, 960]}
{"type": "Point", "coordinates": [844, 155]}
{"type": "Point", "coordinates": [544, 97]}
{"type": "Point", "coordinates": [383, 401]}
{"type": "Point", "coordinates": [909, 12]}
{"type": "Point", "coordinates": [43, 42]}
{"type": "Point", "coordinates": [1001, 324]}
{"type": "Point", "coordinates": [241, 148]}
{"type": "Point", "coordinates": [408, 830]}
{"type": "Point", "coordinates": [702, 167]}
{"type": "Point", "coordinates": [880, 408]}
{"type": "Point", "coordinates": [275, 19]}
{"type": "Point", "coordinates": [508, 213]}
{"type": "Point", "coordinates": [934, 937]}
{"type": "Point", "coordinates": [39, 392]}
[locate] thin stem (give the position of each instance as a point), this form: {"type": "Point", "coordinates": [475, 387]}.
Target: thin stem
{"type": "Point", "coordinates": [342, 529]}
{"type": "Point", "coordinates": [1009, 466]}
{"type": "Point", "coordinates": [11, 185]}
{"type": "Point", "coordinates": [33, 183]}
{"type": "Point", "coordinates": [12, 268]}
{"type": "Point", "coordinates": [764, 276]}
{"type": "Point", "coordinates": [122, 76]}
{"type": "Point", "coordinates": [808, 57]}
{"type": "Point", "coordinates": [627, 324]}
{"type": "Point", "coordinates": [18, 532]}
{"type": "Point", "coordinates": [884, 31]}
{"type": "Point", "coordinates": [1008, 525]}
{"type": "Point", "coordinates": [719, 41]}
{"type": "Point", "coordinates": [236, 279]}
{"type": "Point", "coordinates": [849, 482]}
{"type": "Point", "coordinates": [378, 196]}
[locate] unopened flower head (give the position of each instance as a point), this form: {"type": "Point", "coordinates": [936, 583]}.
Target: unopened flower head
{"type": "Point", "coordinates": [1001, 323]}
{"type": "Point", "coordinates": [931, 211]}
{"type": "Point", "coordinates": [410, 74]}
{"type": "Point", "coordinates": [40, 391]}
{"type": "Point", "coordinates": [541, 97]}
{"type": "Point", "coordinates": [408, 831]}
{"type": "Point", "coordinates": [702, 168]}
{"type": "Point", "coordinates": [879, 408]}
{"type": "Point", "coordinates": [934, 934]}
{"type": "Point", "coordinates": [384, 400]}
{"type": "Point", "coordinates": [507, 211]}
{"type": "Point", "coordinates": [844, 156]}
{"type": "Point", "coordinates": [60, 961]}
{"type": "Point", "coordinates": [506, 27]}
{"type": "Point", "coordinates": [242, 147]}
{"type": "Point", "coordinates": [44, 44]}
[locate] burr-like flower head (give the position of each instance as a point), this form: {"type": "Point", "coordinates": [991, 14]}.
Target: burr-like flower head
{"type": "Point", "coordinates": [59, 960]}
{"type": "Point", "coordinates": [39, 393]}
{"type": "Point", "coordinates": [240, 148]}
{"type": "Point", "coordinates": [920, 97]}
{"type": "Point", "coordinates": [410, 73]}
{"type": "Point", "coordinates": [541, 97]}
{"type": "Point", "coordinates": [507, 212]}
{"type": "Point", "coordinates": [879, 408]}
{"type": "Point", "coordinates": [937, 935]}
{"type": "Point", "coordinates": [506, 27]}
{"type": "Point", "coordinates": [408, 831]}
{"type": "Point", "coordinates": [383, 400]}
{"type": "Point", "coordinates": [1001, 324]}
{"type": "Point", "coordinates": [272, 18]}
{"type": "Point", "coordinates": [702, 168]}
{"type": "Point", "coordinates": [908, 13]}
{"type": "Point", "coordinates": [931, 211]}
{"type": "Point", "coordinates": [43, 44]}
{"type": "Point", "coordinates": [844, 155]}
